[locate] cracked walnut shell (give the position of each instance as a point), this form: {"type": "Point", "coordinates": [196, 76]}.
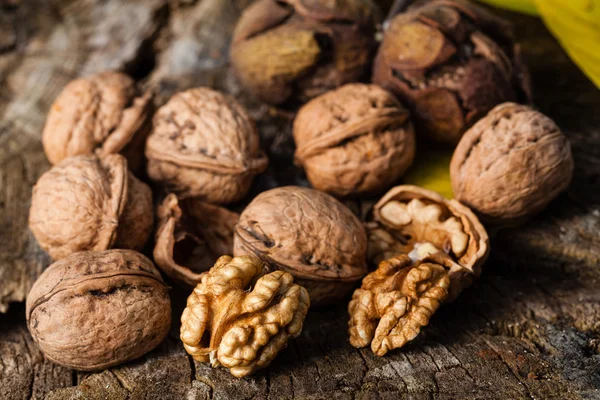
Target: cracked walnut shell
{"type": "Point", "coordinates": [299, 49]}
{"type": "Point", "coordinates": [94, 310]}
{"type": "Point", "coordinates": [204, 144]}
{"type": "Point", "coordinates": [309, 234]}
{"type": "Point", "coordinates": [239, 318]}
{"type": "Point", "coordinates": [355, 139]}
{"type": "Point", "coordinates": [102, 113]}
{"type": "Point", "coordinates": [511, 164]}
{"type": "Point", "coordinates": [89, 202]}
{"type": "Point", "coordinates": [451, 62]}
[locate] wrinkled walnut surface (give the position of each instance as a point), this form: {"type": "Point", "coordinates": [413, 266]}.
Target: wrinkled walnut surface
{"type": "Point", "coordinates": [302, 48]}
{"type": "Point", "coordinates": [239, 318]}
{"type": "Point", "coordinates": [395, 302]}
{"type": "Point", "coordinates": [93, 310]}
{"type": "Point", "coordinates": [307, 233]}
{"type": "Point", "coordinates": [88, 202]}
{"type": "Point", "coordinates": [511, 164]}
{"type": "Point", "coordinates": [356, 139]}
{"type": "Point", "coordinates": [204, 144]}
{"type": "Point", "coordinates": [452, 62]}
{"type": "Point", "coordinates": [191, 236]}
{"type": "Point", "coordinates": [102, 113]}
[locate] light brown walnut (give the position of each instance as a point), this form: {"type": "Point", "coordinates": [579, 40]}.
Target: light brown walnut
{"type": "Point", "coordinates": [309, 234]}
{"type": "Point", "coordinates": [353, 140]}
{"type": "Point", "coordinates": [204, 144]}
{"type": "Point", "coordinates": [102, 113]}
{"type": "Point", "coordinates": [89, 202]}
{"type": "Point", "coordinates": [239, 318]}
{"type": "Point", "coordinates": [511, 164]}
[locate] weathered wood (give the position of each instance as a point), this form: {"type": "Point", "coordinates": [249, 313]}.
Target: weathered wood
{"type": "Point", "coordinates": [529, 329]}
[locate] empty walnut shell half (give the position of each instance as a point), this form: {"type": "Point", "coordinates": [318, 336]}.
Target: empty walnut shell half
{"type": "Point", "coordinates": [239, 318]}
{"type": "Point", "coordinates": [309, 234]}
{"type": "Point", "coordinates": [93, 310]}
{"type": "Point", "coordinates": [511, 164]}
{"type": "Point", "coordinates": [299, 49]}
{"type": "Point", "coordinates": [451, 62]}
{"type": "Point", "coordinates": [191, 236]}
{"type": "Point", "coordinates": [89, 202]}
{"type": "Point", "coordinates": [103, 113]}
{"type": "Point", "coordinates": [204, 144]}
{"type": "Point", "coordinates": [356, 139]}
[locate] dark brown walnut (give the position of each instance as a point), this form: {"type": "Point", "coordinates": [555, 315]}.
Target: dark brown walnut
{"type": "Point", "coordinates": [511, 164]}
{"type": "Point", "coordinates": [89, 202]}
{"type": "Point", "coordinates": [204, 144]}
{"type": "Point", "coordinates": [299, 49]}
{"type": "Point", "coordinates": [191, 236]}
{"type": "Point", "coordinates": [309, 234]}
{"type": "Point", "coordinates": [356, 139]}
{"type": "Point", "coordinates": [103, 113]}
{"type": "Point", "coordinates": [93, 310]}
{"type": "Point", "coordinates": [452, 62]}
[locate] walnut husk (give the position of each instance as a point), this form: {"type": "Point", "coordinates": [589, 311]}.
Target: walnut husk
{"type": "Point", "coordinates": [89, 202]}
{"type": "Point", "coordinates": [204, 144]}
{"type": "Point", "coordinates": [354, 140]}
{"type": "Point", "coordinates": [511, 164]}
{"type": "Point", "coordinates": [94, 310]}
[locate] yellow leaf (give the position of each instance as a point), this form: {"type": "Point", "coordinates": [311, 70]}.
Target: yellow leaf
{"type": "Point", "coordinates": [431, 170]}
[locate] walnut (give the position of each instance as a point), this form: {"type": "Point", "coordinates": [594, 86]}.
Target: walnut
{"type": "Point", "coordinates": [511, 164]}
{"type": "Point", "coordinates": [451, 62]}
{"type": "Point", "coordinates": [204, 144]}
{"type": "Point", "coordinates": [102, 113]}
{"type": "Point", "coordinates": [309, 234]}
{"type": "Point", "coordinates": [356, 139]}
{"type": "Point", "coordinates": [191, 236]}
{"type": "Point", "coordinates": [89, 202]}
{"type": "Point", "coordinates": [93, 310]}
{"type": "Point", "coordinates": [298, 49]}
{"type": "Point", "coordinates": [240, 319]}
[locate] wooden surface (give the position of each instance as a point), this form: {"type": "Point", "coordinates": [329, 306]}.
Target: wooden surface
{"type": "Point", "coordinates": [529, 329]}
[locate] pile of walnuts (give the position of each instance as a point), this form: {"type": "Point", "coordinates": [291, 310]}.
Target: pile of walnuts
{"type": "Point", "coordinates": [128, 179]}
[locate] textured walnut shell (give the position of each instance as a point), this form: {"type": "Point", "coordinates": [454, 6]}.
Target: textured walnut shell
{"type": "Point", "coordinates": [511, 164]}
{"type": "Point", "coordinates": [299, 49]}
{"type": "Point", "coordinates": [356, 139]}
{"type": "Point", "coordinates": [102, 113]}
{"type": "Point", "coordinates": [204, 144]}
{"type": "Point", "coordinates": [451, 62]}
{"type": "Point", "coordinates": [191, 236]}
{"type": "Point", "coordinates": [308, 234]}
{"type": "Point", "coordinates": [399, 228]}
{"type": "Point", "coordinates": [90, 203]}
{"type": "Point", "coordinates": [93, 310]}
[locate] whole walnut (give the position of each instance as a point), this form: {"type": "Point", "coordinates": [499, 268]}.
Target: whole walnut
{"type": "Point", "coordinates": [309, 234]}
{"type": "Point", "coordinates": [356, 139]}
{"type": "Point", "coordinates": [90, 202]}
{"type": "Point", "coordinates": [104, 113]}
{"type": "Point", "coordinates": [93, 310]}
{"type": "Point", "coordinates": [299, 49]}
{"type": "Point", "coordinates": [204, 144]}
{"type": "Point", "coordinates": [451, 62]}
{"type": "Point", "coordinates": [511, 164]}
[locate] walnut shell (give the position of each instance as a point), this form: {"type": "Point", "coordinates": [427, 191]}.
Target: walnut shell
{"type": "Point", "coordinates": [451, 62]}
{"type": "Point", "coordinates": [511, 164]}
{"type": "Point", "coordinates": [89, 202]}
{"type": "Point", "coordinates": [356, 139]}
{"type": "Point", "coordinates": [204, 144]}
{"type": "Point", "coordinates": [307, 233]}
{"type": "Point", "coordinates": [102, 113]}
{"type": "Point", "coordinates": [299, 49]}
{"type": "Point", "coordinates": [93, 310]}
{"type": "Point", "coordinates": [191, 236]}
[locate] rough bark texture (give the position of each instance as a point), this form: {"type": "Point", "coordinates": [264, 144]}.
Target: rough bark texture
{"type": "Point", "coordinates": [529, 329]}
